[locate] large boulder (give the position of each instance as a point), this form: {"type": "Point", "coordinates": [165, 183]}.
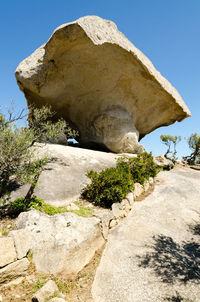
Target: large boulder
{"type": "Point", "coordinates": [63, 243]}
{"type": "Point", "coordinates": [100, 83]}
{"type": "Point", "coordinates": [65, 175]}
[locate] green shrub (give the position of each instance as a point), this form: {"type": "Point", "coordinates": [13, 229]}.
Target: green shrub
{"type": "Point", "coordinates": [141, 167]}
{"type": "Point", "coordinates": [18, 206]}
{"type": "Point", "coordinates": [113, 184]}
{"type": "Point", "coordinates": [108, 186]}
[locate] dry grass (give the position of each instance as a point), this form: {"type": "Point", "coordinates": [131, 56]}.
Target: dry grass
{"type": "Point", "coordinates": [74, 288]}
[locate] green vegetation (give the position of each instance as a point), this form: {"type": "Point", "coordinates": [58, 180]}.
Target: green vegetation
{"type": "Point", "coordinates": [83, 211]}
{"type": "Point", "coordinates": [4, 232]}
{"type": "Point", "coordinates": [17, 155]}
{"type": "Point", "coordinates": [18, 206]}
{"type": "Point", "coordinates": [113, 184]}
{"type": "Point", "coordinates": [194, 145]}
{"type": "Point", "coordinates": [170, 140]}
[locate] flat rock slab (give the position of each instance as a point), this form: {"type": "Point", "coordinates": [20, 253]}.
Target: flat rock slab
{"type": "Point", "coordinates": [154, 255]}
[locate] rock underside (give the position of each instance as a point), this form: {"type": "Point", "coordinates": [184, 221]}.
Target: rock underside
{"type": "Point", "coordinates": [101, 84]}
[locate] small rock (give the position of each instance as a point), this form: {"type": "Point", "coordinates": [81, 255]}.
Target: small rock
{"type": "Point", "coordinates": [146, 186]}
{"type": "Point", "coordinates": [130, 198]}
{"type": "Point", "coordinates": [138, 189]}
{"type": "Point", "coordinates": [151, 180]}
{"type": "Point", "coordinates": [46, 291]}
{"type": "Point", "coordinates": [126, 205]}
{"type": "Point", "coordinates": [117, 210]}
{"type": "Point", "coordinates": [163, 162]}
{"type": "Point", "coordinates": [113, 223]}
{"type": "Point", "coordinates": [105, 217]}
{"type": "Point", "coordinates": [9, 226]}
{"type": "Point", "coordinates": [1, 299]}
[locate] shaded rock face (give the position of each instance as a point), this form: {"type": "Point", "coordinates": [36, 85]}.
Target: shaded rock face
{"type": "Point", "coordinates": [101, 84]}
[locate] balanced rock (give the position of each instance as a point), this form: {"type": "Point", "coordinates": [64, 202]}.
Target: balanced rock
{"type": "Point", "coordinates": [101, 84]}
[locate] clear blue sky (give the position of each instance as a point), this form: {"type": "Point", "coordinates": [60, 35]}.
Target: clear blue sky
{"type": "Point", "coordinates": [166, 31]}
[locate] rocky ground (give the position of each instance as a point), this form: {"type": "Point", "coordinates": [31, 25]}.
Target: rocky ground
{"type": "Point", "coordinates": [151, 255]}
{"type": "Point", "coordinates": [154, 255]}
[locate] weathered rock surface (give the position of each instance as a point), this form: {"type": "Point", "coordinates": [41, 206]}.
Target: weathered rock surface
{"type": "Point", "coordinates": [14, 270]}
{"type": "Point", "coordinates": [99, 82]}
{"type": "Point", "coordinates": [153, 255]}
{"type": "Point", "coordinates": [163, 162]}
{"type": "Point", "coordinates": [63, 243]}
{"type": "Point", "coordinates": [45, 292]}
{"type": "Point", "coordinates": [65, 175]}
{"type": "Point", "coordinates": [7, 251]}
{"type": "Point", "coordinates": [22, 241]}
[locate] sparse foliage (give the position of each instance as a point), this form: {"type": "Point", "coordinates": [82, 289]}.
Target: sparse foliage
{"type": "Point", "coordinates": [194, 145]}
{"type": "Point", "coordinates": [170, 140]}
{"type": "Point", "coordinates": [17, 161]}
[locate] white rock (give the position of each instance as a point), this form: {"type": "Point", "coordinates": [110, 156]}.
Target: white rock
{"type": "Point", "coordinates": [151, 180]}
{"type": "Point", "coordinates": [126, 205]}
{"type": "Point", "coordinates": [130, 197]}
{"type": "Point", "coordinates": [7, 251]}
{"type": "Point", "coordinates": [105, 217]}
{"type": "Point", "coordinates": [63, 243]}
{"type": "Point", "coordinates": [94, 77]}
{"type": "Point", "coordinates": [117, 210]}
{"type": "Point", "coordinates": [23, 242]}
{"type": "Point", "coordinates": [46, 291]}
{"type": "Point", "coordinates": [14, 270]}
{"type": "Point", "coordinates": [113, 223]}
{"type": "Point", "coordinates": [146, 186]}
{"type": "Point", "coordinates": [138, 189]}
{"type": "Point", "coordinates": [162, 161]}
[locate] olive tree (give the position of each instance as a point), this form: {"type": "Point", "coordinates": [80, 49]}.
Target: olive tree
{"type": "Point", "coordinates": [170, 141]}
{"type": "Point", "coordinates": [194, 145]}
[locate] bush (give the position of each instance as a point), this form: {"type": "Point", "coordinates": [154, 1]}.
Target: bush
{"type": "Point", "coordinates": [108, 186]}
{"type": "Point", "coordinates": [141, 167]}
{"type": "Point", "coordinates": [113, 184]}
{"type": "Point", "coordinates": [194, 145]}
{"type": "Point", "coordinates": [18, 206]}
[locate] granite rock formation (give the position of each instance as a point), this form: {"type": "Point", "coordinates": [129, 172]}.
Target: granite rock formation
{"type": "Point", "coordinates": [101, 84]}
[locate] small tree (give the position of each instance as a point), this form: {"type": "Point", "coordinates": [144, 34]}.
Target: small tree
{"type": "Point", "coordinates": [170, 140]}
{"type": "Point", "coordinates": [17, 161]}
{"type": "Point", "coordinates": [194, 145]}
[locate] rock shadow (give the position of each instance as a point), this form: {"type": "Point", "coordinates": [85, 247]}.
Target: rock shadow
{"type": "Point", "coordinates": [172, 261]}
